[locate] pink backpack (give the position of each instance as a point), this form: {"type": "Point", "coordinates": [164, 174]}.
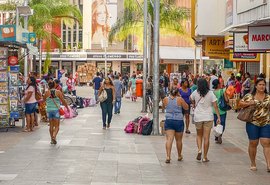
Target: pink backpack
{"type": "Point", "coordinates": [70, 114]}
{"type": "Point", "coordinates": [142, 122]}
{"type": "Point", "coordinates": [129, 128]}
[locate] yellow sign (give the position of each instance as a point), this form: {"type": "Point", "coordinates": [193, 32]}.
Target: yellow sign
{"type": "Point", "coordinates": [214, 48]}
{"type": "Point", "coordinates": [244, 57]}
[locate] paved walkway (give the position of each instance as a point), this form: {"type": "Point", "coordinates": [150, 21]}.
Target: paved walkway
{"type": "Point", "coordinates": [86, 154]}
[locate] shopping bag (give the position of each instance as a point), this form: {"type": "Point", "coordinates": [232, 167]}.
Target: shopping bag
{"type": "Point", "coordinates": [128, 95]}
{"type": "Point", "coordinates": [218, 130]}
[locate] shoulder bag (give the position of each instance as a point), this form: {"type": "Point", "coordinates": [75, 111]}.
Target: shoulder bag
{"type": "Point", "coordinates": [246, 114]}
{"type": "Point", "coordinates": [103, 96]}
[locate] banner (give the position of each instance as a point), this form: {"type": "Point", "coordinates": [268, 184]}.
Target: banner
{"type": "Point", "coordinates": [259, 38]}
{"type": "Point", "coordinates": [7, 32]}
{"type": "Point", "coordinates": [244, 57]}
{"type": "Point", "coordinates": [240, 42]}
{"type": "Point", "coordinates": [98, 16]}
{"type": "Point", "coordinates": [215, 48]}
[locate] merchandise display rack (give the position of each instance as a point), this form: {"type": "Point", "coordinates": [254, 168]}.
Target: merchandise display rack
{"type": "Point", "coordinates": [4, 98]}
{"type": "Point", "coordinates": [11, 90]}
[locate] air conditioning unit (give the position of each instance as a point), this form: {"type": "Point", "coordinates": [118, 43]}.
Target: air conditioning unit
{"type": "Point", "coordinates": [56, 50]}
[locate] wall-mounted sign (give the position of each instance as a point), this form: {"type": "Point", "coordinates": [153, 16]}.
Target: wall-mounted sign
{"type": "Point", "coordinates": [214, 48]}
{"type": "Point", "coordinates": [259, 38]}
{"type": "Point", "coordinates": [245, 5]}
{"type": "Point", "coordinates": [228, 64]}
{"type": "Point", "coordinates": [244, 57]}
{"type": "Point", "coordinates": [240, 42]}
{"type": "Point", "coordinates": [7, 33]}
{"type": "Point", "coordinates": [32, 39]}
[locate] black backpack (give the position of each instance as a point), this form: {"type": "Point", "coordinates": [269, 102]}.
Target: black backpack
{"type": "Point", "coordinates": [147, 129]}
{"type": "Point", "coordinates": [79, 102]}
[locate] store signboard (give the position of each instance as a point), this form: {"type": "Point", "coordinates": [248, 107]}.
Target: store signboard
{"type": "Point", "coordinates": [8, 33]}
{"type": "Point", "coordinates": [244, 57]}
{"type": "Point", "coordinates": [240, 42]}
{"type": "Point", "coordinates": [259, 38]}
{"type": "Point", "coordinates": [215, 47]}
{"type": "Point", "coordinates": [245, 5]}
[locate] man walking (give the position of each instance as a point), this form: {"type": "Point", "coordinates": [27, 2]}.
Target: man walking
{"type": "Point", "coordinates": [118, 94]}
{"type": "Point", "coordinates": [96, 85]}
{"type": "Point", "coordinates": [212, 78]}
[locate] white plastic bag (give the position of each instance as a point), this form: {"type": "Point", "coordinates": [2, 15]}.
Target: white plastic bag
{"type": "Point", "coordinates": [218, 130]}
{"type": "Point", "coordinates": [128, 95]}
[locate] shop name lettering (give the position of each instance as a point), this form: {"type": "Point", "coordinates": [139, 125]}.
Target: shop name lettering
{"type": "Point", "coordinates": [216, 42]}
{"type": "Point", "coordinates": [261, 37]}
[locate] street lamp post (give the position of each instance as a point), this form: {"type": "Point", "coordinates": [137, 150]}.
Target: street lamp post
{"type": "Point", "coordinates": [104, 45]}
{"type": "Point", "coordinates": [144, 56]}
{"type": "Point", "coordinates": [156, 67]}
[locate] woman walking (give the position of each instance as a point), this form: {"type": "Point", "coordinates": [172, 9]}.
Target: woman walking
{"type": "Point", "coordinates": [219, 93]}
{"type": "Point", "coordinates": [259, 129]}
{"type": "Point", "coordinates": [175, 84]}
{"type": "Point", "coordinates": [246, 84]}
{"type": "Point", "coordinates": [53, 98]}
{"type": "Point", "coordinates": [185, 93]}
{"type": "Point", "coordinates": [107, 105]}
{"type": "Point", "coordinates": [30, 103]}
{"type": "Point", "coordinates": [203, 100]}
{"type": "Point", "coordinates": [174, 124]}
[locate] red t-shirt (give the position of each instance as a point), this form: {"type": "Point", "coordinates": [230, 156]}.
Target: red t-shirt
{"type": "Point", "coordinates": [238, 87]}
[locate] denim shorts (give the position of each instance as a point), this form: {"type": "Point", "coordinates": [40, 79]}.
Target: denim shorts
{"type": "Point", "coordinates": [54, 114]}
{"type": "Point", "coordinates": [176, 125]}
{"type": "Point", "coordinates": [30, 108]}
{"type": "Point", "coordinates": [255, 132]}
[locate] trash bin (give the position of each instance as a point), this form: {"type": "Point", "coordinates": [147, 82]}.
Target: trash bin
{"type": "Point", "coordinates": [139, 88]}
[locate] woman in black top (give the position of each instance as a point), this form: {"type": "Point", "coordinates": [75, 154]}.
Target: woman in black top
{"type": "Point", "coordinates": [107, 105]}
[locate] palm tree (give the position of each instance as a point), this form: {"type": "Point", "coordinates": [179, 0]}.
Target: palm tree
{"type": "Point", "coordinates": [172, 21]}
{"type": "Point", "coordinates": [48, 13]}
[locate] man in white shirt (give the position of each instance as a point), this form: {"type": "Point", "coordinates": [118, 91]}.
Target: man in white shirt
{"type": "Point", "coordinates": [63, 80]}
{"type": "Point", "coordinates": [212, 78]}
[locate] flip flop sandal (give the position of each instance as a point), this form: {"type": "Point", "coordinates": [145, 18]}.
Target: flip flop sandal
{"type": "Point", "coordinates": [168, 161]}
{"type": "Point", "coordinates": [199, 156]}
{"type": "Point", "coordinates": [253, 168]}
{"type": "Point", "coordinates": [268, 169]}
{"type": "Point", "coordinates": [180, 158]}
{"type": "Point", "coordinates": [205, 160]}
{"type": "Point", "coordinates": [26, 130]}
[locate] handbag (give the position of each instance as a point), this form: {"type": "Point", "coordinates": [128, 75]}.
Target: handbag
{"type": "Point", "coordinates": [103, 96]}
{"type": "Point", "coordinates": [246, 114]}
{"type": "Point", "coordinates": [38, 95]}
{"type": "Point", "coordinates": [222, 104]}
{"type": "Point", "coordinates": [61, 111]}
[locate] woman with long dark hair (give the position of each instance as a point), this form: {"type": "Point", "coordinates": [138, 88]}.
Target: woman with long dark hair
{"type": "Point", "coordinates": [53, 98]}
{"type": "Point", "coordinates": [185, 93]}
{"type": "Point", "coordinates": [174, 124]}
{"type": "Point", "coordinates": [202, 101]}
{"type": "Point", "coordinates": [259, 129]}
{"type": "Point", "coordinates": [30, 103]}
{"type": "Point", "coordinates": [107, 105]}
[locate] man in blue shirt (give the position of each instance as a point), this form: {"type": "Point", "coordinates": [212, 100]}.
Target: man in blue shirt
{"type": "Point", "coordinates": [97, 84]}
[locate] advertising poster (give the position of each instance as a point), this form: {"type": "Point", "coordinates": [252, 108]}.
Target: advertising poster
{"type": "Point", "coordinates": [98, 16]}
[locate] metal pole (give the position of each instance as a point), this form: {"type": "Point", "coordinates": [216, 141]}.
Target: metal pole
{"type": "Point", "coordinates": [195, 61]}
{"type": "Point", "coordinates": [17, 17]}
{"type": "Point", "coordinates": [149, 46]}
{"type": "Point", "coordinates": [201, 61]}
{"type": "Point", "coordinates": [25, 50]}
{"type": "Point", "coordinates": [105, 60]}
{"type": "Point", "coordinates": [40, 58]}
{"type": "Point", "coordinates": [144, 56]}
{"type": "Point", "coordinates": [156, 68]}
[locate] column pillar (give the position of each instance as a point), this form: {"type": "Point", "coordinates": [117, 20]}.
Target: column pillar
{"type": "Point", "coordinates": [73, 68]}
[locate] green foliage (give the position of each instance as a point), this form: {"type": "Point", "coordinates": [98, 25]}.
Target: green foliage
{"type": "Point", "coordinates": [48, 13]}
{"type": "Point", "coordinates": [172, 20]}
{"type": "Point", "coordinates": [9, 6]}
{"type": "Point", "coordinates": [47, 63]}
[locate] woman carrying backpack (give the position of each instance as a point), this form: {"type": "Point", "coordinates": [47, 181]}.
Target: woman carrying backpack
{"type": "Point", "coordinates": [219, 93]}
{"type": "Point", "coordinates": [174, 124]}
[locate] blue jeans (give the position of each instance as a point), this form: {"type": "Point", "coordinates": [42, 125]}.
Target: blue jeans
{"type": "Point", "coordinates": [107, 108]}
{"type": "Point", "coordinates": [96, 95]}
{"type": "Point", "coordinates": [117, 105]}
